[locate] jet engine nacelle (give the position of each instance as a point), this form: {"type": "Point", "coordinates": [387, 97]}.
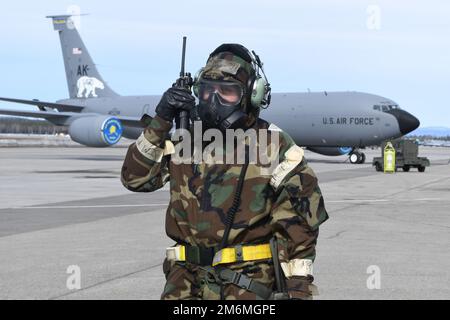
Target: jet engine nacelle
{"type": "Point", "coordinates": [331, 151]}
{"type": "Point", "coordinates": [96, 130]}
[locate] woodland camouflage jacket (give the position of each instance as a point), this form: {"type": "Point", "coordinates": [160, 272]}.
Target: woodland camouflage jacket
{"type": "Point", "coordinates": [289, 206]}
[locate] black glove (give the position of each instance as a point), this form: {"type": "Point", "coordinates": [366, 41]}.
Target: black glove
{"type": "Point", "coordinates": [173, 101]}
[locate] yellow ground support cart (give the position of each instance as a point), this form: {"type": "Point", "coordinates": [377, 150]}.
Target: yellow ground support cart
{"type": "Point", "coordinates": [389, 158]}
{"type": "Point", "coordinates": [406, 156]}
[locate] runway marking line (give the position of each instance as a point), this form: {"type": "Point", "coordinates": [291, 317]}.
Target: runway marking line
{"type": "Point", "coordinates": [165, 204]}
{"type": "Point", "coordinates": [384, 200]}
{"type": "Point", "coordinates": [93, 207]}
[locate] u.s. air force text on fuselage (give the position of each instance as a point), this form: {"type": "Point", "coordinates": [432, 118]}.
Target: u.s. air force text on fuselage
{"type": "Point", "coordinates": [361, 121]}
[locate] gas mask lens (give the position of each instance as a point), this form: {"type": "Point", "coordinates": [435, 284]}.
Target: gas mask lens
{"type": "Point", "coordinates": [229, 93]}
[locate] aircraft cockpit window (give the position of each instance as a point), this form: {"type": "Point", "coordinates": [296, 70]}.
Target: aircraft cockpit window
{"type": "Point", "coordinates": [386, 107]}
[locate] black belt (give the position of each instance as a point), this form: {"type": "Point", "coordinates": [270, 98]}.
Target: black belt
{"type": "Point", "coordinates": [203, 256]}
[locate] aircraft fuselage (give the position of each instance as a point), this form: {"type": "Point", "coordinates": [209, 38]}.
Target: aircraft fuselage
{"type": "Point", "coordinates": [334, 119]}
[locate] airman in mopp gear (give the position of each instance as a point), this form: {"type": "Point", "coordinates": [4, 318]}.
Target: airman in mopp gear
{"type": "Point", "coordinates": [242, 230]}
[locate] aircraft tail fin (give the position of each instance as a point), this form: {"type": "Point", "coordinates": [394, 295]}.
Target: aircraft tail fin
{"type": "Point", "coordinates": [83, 79]}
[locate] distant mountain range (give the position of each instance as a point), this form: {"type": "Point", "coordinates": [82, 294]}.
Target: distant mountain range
{"type": "Point", "coordinates": [431, 131]}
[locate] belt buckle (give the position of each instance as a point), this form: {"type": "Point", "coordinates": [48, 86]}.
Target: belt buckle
{"type": "Point", "coordinates": [241, 280]}
{"type": "Point", "coordinates": [206, 256]}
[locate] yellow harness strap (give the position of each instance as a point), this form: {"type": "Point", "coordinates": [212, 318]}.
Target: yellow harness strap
{"type": "Point", "coordinates": [242, 253]}
{"type": "Point", "coordinates": [226, 255]}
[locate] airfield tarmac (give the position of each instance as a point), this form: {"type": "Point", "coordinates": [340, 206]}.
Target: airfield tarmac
{"type": "Point", "coordinates": [61, 207]}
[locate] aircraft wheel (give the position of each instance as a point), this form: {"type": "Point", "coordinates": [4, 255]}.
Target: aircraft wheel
{"type": "Point", "coordinates": [362, 158]}
{"type": "Point", "coordinates": [354, 157]}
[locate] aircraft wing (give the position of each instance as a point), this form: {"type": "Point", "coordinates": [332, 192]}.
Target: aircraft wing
{"type": "Point", "coordinates": [127, 121]}
{"type": "Point", "coordinates": [38, 114]}
{"type": "Point", "coordinates": [42, 104]}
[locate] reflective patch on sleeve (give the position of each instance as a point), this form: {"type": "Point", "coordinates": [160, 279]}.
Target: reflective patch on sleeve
{"type": "Point", "coordinates": [169, 148]}
{"type": "Point", "coordinates": [273, 127]}
{"type": "Point", "coordinates": [149, 150]}
{"type": "Point", "coordinates": [293, 157]}
{"type": "Point", "coordinates": [297, 267]}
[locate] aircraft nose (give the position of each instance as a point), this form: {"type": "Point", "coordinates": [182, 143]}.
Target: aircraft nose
{"type": "Point", "coordinates": [406, 121]}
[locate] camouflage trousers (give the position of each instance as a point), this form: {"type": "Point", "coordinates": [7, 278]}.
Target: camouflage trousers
{"type": "Point", "coordinates": [185, 281]}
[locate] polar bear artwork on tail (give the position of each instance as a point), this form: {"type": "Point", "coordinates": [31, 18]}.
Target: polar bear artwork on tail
{"type": "Point", "coordinates": [88, 85]}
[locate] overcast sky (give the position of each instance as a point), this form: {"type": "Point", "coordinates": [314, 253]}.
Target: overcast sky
{"type": "Point", "coordinates": [398, 49]}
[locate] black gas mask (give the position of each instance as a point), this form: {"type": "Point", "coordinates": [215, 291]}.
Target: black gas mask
{"type": "Point", "coordinates": [220, 104]}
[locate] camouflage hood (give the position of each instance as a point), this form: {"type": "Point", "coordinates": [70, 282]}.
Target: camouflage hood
{"type": "Point", "coordinates": [229, 67]}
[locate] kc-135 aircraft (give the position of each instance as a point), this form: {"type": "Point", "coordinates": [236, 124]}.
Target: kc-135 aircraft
{"type": "Point", "coordinates": [329, 123]}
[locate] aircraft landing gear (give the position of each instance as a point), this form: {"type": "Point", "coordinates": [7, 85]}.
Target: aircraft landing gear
{"type": "Point", "coordinates": [357, 157]}
{"type": "Point", "coordinates": [363, 158]}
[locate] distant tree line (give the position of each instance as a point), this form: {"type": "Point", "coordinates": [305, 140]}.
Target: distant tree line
{"type": "Point", "coordinates": [29, 126]}
{"type": "Point", "coordinates": [430, 137]}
